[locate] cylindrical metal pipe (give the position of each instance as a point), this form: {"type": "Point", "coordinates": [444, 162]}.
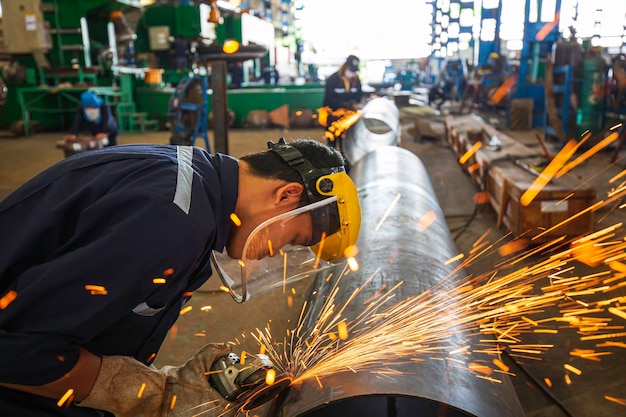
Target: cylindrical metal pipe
{"type": "Point", "coordinates": [394, 186]}
{"type": "Point", "coordinates": [379, 125]}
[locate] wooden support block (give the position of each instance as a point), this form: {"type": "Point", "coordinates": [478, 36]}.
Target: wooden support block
{"type": "Point", "coordinates": [521, 114]}
{"type": "Point", "coordinates": [494, 170]}
{"type": "Point", "coordinates": [280, 116]}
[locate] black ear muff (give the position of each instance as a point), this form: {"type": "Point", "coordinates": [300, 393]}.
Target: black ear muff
{"type": "Point", "coordinates": [325, 185]}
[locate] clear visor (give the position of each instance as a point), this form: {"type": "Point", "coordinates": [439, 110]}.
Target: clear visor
{"type": "Point", "coordinates": [278, 251]}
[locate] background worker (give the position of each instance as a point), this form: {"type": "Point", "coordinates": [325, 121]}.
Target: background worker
{"type": "Point", "coordinates": [102, 250]}
{"type": "Point", "coordinates": [342, 91]}
{"type": "Point", "coordinates": [235, 69]}
{"type": "Point", "coordinates": [96, 117]}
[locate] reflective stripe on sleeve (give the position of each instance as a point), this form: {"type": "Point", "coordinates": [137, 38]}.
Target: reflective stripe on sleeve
{"type": "Point", "coordinates": [182, 197]}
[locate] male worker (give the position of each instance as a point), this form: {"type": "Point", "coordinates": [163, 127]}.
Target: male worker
{"type": "Point", "coordinates": [101, 251]}
{"type": "Point", "coordinates": [94, 116]}
{"type": "Point", "coordinates": [342, 92]}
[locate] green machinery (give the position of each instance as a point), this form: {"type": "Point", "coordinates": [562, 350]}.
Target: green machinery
{"type": "Point", "coordinates": [57, 50]}
{"type": "Point", "coordinates": [184, 24]}
{"type": "Point", "coordinates": [60, 48]}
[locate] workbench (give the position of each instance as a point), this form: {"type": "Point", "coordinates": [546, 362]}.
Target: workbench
{"type": "Point", "coordinates": [504, 172]}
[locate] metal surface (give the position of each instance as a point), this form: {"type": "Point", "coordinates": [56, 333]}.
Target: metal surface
{"type": "Point", "coordinates": [397, 251]}
{"type": "Point", "coordinates": [378, 126]}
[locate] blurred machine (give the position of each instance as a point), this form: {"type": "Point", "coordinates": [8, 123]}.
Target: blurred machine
{"type": "Point", "coordinates": [188, 112]}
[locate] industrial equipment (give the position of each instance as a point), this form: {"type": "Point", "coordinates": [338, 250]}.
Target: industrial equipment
{"type": "Point", "coordinates": [390, 255]}
{"type": "Point", "coordinates": [188, 113]}
{"type": "Point", "coordinates": [379, 125]}
{"type": "Point", "coordinates": [246, 381]}
{"type": "Point", "coordinates": [81, 144]}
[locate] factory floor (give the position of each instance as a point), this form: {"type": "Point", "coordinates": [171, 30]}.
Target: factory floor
{"type": "Point", "coordinates": [222, 319]}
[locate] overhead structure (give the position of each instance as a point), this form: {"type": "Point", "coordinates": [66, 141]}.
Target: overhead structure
{"type": "Point", "coordinates": [453, 26]}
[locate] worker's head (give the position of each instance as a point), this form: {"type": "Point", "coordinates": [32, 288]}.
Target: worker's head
{"type": "Point", "coordinates": [351, 66]}
{"type": "Point", "coordinates": [91, 105]}
{"type": "Point", "coordinates": [308, 216]}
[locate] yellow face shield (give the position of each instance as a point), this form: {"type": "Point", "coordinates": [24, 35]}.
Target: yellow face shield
{"type": "Point", "coordinates": [335, 245]}
{"type": "Point", "coordinates": [301, 242]}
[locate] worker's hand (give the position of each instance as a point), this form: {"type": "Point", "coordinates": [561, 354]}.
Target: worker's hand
{"type": "Point", "coordinates": [69, 138]}
{"type": "Point", "coordinates": [187, 389]}
{"type": "Point", "coordinates": [128, 388]}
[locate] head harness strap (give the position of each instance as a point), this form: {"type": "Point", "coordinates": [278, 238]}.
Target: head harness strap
{"type": "Point", "coordinates": [297, 161]}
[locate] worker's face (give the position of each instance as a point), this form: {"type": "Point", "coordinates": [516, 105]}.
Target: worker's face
{"type": "Point", "coordinates": [277, 251]}
{"type": "Point", "coordinates": [92, 113]}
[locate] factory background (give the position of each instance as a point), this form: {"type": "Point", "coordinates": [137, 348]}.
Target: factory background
{"type": "Point", "coordinates": [490, 127]}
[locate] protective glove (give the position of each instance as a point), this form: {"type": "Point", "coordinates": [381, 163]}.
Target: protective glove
{"type": "Point", "coordinates": [128, 388]}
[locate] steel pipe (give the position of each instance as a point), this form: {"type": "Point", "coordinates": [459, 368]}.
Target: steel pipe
{"type": "Point", "coordinates": [378, 126]}
{"type": "Point", "coordinates": [394, 251]}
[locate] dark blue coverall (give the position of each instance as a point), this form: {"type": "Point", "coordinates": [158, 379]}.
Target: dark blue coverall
{"type": "Point", "coordinates": [116, 218]}
{"type": "Point", "coordinates": [106, 124]}
{"type": "Point", "coordinates": [340, 93]}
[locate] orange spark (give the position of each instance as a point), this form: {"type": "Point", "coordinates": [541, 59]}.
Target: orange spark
{"type": "Point", "coordinates": [533, 322]}
{"type": "Point", "coordinates": [289, 301]}
{"type": "Point", "coordinates": [7, 299]}
{"type": "Point", "coordinates": [141, 390]}
{"type": "Point", "coordinates": [483, 369]}
{"type": "Point", "coordinates": [158, 281]}
{"type": "Point", "coordinates": [620, 401]}
{"type": "Point", "coordinates": [548, 382]}
{"type": "Point", "coordinates": [593, 207]}
{"type": "Point", "coordinates": [206, 308]}
{"type": "Point", "coordinates": [185, 310]}
{"type": "Point", "coordinates": [168, 271]}
{"type": "Point", "coordinates": [427, 219]}
{"type": "Point", "coordinates": [391, 206]}
{"type": "Point", "coordinates": [235, 219]}
{"type": "Point", "coordinates": [470, 152]}
{"type": "Point", "coordinates": [501, 365]}
{"type": "Point", "coordinates": [69, 393]}
{"type": "Point", "coordinates": [353, 264]}
{"type": "Point", "coordinates": [592, 151]}
{"type": "Point", "coordinates": [270, 377]}
{"type": "Point", "coordinates": [618, 176]}
{"type": "Point", "coordinates": [473, 168]}
{"type": "Point", "coordinates": [548, 173]}
{"type": "Point", "coordinates": [351, 250]}
{"type": "Point", "coordinates": [504, 89]}
{"type": "Point", "coordinates": [586, 252]}
{"type": "Point", "coordinates": [512, 247]}
{"type": "Point", "coordinates": [617, 312]}
{"type": "Point", "coordinates": [454, 259]}
{"type": "Point", "coordinates": [96, 289]}
{"type": "Point", "coordinates": [342, 329]}
{"type": "Point", "coordinates": [617, 266]}
{"type": "Point", "coordinates": [572, 369]}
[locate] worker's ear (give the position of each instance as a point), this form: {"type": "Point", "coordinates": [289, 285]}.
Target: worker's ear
{"type": "Point", "coordinates": [289, 194]}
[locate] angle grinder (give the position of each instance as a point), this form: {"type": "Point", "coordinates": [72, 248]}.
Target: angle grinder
{"type": "Point", "coordinates": [246, 382]}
